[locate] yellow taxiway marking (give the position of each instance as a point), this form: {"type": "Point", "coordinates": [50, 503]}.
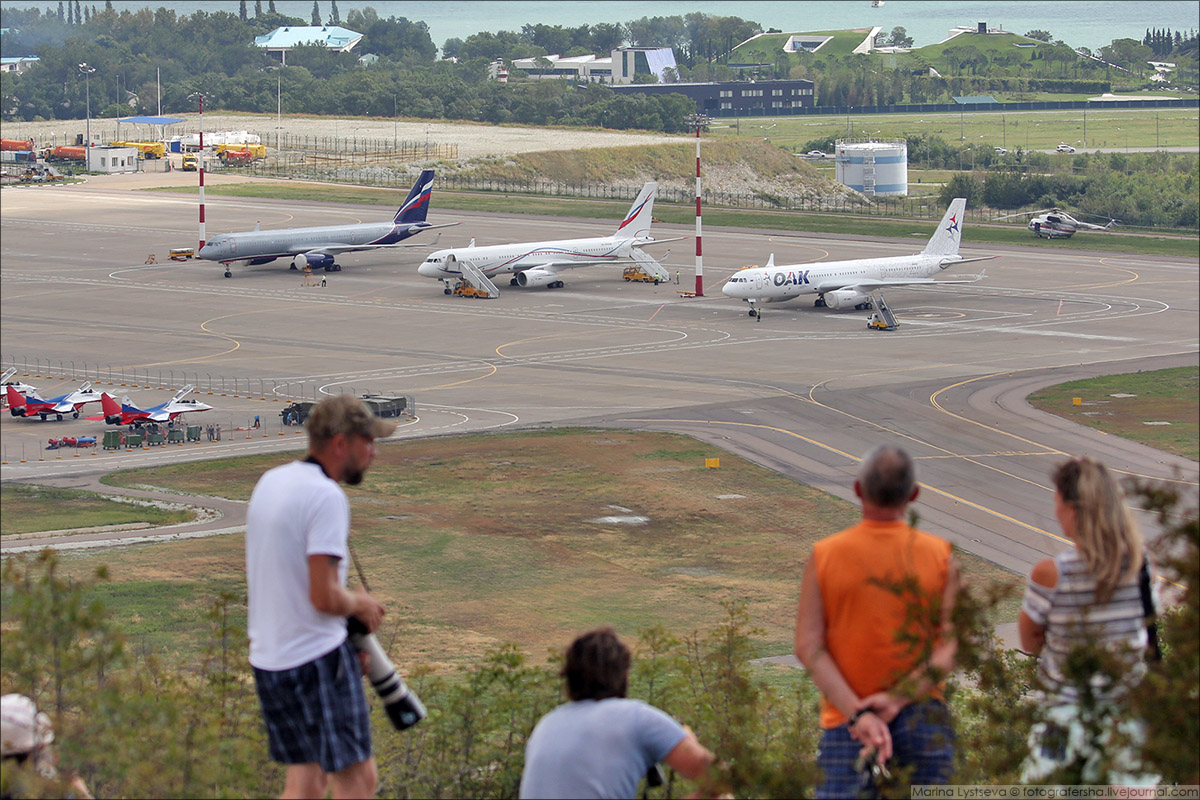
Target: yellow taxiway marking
{"type": "Point", "coordinates": [856, 460]}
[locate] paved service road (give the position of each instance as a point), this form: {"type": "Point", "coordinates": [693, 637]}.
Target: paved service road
{"type": "Point", "coordinates": [806, 391]}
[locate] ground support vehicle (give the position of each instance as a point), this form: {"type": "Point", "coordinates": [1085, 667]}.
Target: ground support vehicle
{"type": "Point", "coordinates": [636, 273]}
{"type": "Point", "coordinates": [464, 289]}
{"type": "Point", "coordinates": [182, 253]}
{"type": "Point", "coordinates": [190, 162]}
{"type": "Point", "coordinates": [148, 150]}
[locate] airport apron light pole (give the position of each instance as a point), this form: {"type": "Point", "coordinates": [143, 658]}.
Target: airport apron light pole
{"type": "Point", "coordinates": [199, 97]}
{"type": "Point", "coordinates": [86, 71]}
{"type": "Point", "coordinates": [698, 122]}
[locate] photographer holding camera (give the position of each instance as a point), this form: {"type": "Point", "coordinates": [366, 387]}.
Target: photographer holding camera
{"type": "Point", "coordinates": [306, 669]}
{"type": "Point", "coordinates": [601, 744]}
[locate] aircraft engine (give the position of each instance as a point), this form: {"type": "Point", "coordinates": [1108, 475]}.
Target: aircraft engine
{"type": "Point", "coordinates": [845, 298]}
{"type": "Point", "coordinates": [314, 260]}
{"type": "Point", "coordinates": [538, 277]}
{"type": "Point", "coordinates": [115, 419]}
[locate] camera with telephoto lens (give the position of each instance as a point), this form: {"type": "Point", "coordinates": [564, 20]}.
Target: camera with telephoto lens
{"type": "Point", "coordinates": [403, 706]}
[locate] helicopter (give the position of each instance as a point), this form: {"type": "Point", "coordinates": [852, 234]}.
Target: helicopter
{"type": "Point", "coordinates": [1053, 223]}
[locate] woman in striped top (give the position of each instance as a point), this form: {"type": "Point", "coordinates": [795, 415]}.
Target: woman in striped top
{"type": "Point", "coordinates": [1086, 598]}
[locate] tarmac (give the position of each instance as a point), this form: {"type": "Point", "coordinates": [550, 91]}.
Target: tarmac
{"type": "Point", "coordinates": [805, 391]}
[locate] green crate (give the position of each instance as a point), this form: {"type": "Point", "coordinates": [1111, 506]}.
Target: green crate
{"type": "Point", "coordinates": [133, 440]}
{"type": "Point", "coordinates": [112, 440]}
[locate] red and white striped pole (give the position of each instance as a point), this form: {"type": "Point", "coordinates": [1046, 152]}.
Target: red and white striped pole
{"type": "Point", "coordinates": [698, 122]}
{"type": "Point", "coordinates": [200, 169]}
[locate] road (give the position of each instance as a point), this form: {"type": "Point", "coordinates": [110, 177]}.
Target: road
{"type": "Point", "coordinates": [805, 391]}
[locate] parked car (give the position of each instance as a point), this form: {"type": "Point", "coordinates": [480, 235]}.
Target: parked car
{"type": "Point", "coordinates": [1065, 148]}
{"type": "Point", "coordinates": [814, 154]}
{"type": "Point", "coordinates": [1000, 151]}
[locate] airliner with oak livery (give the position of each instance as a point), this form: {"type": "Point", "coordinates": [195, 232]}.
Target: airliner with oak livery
{"type": "Point", "coordinates": [537, 263]}
{"type": "Point", "coordinates": [317, 248]}
{"type": "Point", "coordinates": [849, 284]}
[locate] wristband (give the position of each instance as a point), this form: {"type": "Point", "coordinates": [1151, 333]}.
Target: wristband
{"type": "Point", "coordinates": [858, 714]}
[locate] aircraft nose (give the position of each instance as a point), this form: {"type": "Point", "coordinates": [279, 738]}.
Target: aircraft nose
{"type": "Point", "coordinates": [729, 289]}
{"type": "Point", "coordinates": [428, 270]}
{"type": "Point", "coordinates": [208, 251]}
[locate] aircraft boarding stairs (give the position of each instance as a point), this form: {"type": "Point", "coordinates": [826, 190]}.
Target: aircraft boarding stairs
{"type": "Point", "coordinates": [475, 278]}
{"type": "Point", "coordinates": [882, 319]}
{"type": "Point", "coordinates": [649, 265]}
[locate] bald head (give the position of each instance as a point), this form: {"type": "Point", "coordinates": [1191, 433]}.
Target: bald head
{"type": "Point", "coordinates": [887, 478]}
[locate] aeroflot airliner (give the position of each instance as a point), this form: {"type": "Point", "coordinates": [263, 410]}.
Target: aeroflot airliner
{"type": "Point", "coordinates": [537, 263]}
{"type": "Point", "coordinates": [318, 247]}
{"type": "Point", "coordinates": [848, 284]}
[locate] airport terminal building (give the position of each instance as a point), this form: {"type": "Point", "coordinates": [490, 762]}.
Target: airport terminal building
{"type": "Point", "coordinates": [739, 98]}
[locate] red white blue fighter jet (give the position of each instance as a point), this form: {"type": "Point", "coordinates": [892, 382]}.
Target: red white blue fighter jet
{"type": "Point", "coordinates": [30, 405]}
{"type": "Point", "coordinates": [126, 413]}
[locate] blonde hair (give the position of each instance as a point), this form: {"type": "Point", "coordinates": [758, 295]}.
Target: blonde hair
{"type": "Point", "coordinates": [1105, 534]}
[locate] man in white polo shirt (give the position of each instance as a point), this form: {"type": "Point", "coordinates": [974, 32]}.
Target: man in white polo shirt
{"type": "Point", "coordinates": [307, 673]}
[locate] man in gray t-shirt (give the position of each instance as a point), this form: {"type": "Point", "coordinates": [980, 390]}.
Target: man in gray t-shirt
{"type": "Point", "coordinates": [601, 744]}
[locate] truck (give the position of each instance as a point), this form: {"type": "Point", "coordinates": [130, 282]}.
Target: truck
{"type": "Point", "coordinates": [190, 162]}
{"type": "Point", "coordinates": [235, 157]}
{"type": "Point", "coordinates": [381, 405]}
{"type": "Point", "coordinates": [255, 150]}
{"type": "Point", "coordinates": [16, 144]}
{"type": "Point", "coordinates": [147, 149]}
{"type": "Point", "coordinates": [67, 153]}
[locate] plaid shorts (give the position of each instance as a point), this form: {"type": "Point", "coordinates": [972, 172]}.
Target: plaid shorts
{"type": "Point", "coordinates": [922, 736]}
{"type": "Point", "coordinates": [317, 713]}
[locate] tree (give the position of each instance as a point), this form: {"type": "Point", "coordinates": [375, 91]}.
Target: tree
{"type": "Point", "coordinates": [900, 38]}
{"type": "Point", "coordinates": [257, 8]}
{"type": "Point", "coordinates": [242, 10]}
{"type": "Point", "coordinates": [271, 6]}
{"type": "Point", "coordinates": [1039, 34]}
{"type": "Point", "coordinates": [316, 14]}
{"type": "Point", "coordinates": [334, 17]}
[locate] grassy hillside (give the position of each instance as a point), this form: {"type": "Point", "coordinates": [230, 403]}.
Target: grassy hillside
{"type": "Point", "coordinates": [765, 48]}
{"type": "Point", "coordinates": [730, 165]}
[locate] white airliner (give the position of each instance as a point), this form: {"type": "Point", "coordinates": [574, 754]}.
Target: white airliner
{"type": "Point", "coordinates": [849, 284]}
{"type": "Point", "coordinates": [537, 263]}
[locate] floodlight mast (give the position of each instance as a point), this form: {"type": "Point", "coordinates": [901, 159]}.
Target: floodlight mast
{"type": "Point", "coordinates": [698, 122]}
{"type": "Point", "coordinates": [86, 71]}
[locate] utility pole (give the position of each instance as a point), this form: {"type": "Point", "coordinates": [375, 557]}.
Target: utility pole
{"type": "Point", "coordinates": [699, 122]}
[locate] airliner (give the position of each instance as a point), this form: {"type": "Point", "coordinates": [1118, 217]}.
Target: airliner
{"type": "Point", "coordinates": [537, 263]}
{"type": "Point", "coordinates": [849, 284]}
{"type": "Point", "coordinates": [317, 248]}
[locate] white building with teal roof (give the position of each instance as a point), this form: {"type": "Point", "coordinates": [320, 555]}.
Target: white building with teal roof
{"type": "Point", "coordinates": [334, 37]}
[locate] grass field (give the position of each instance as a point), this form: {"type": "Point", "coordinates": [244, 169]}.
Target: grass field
{"type": "Point", "coordinates": [27, 509]}
{"type": "Point", "coordinates": [1166, 244]}
{"type": "Point", "coordinates": [1031, 130]}
{"type": "Point", "coordinates": [477, 540]}
{"type": "Point", "coordinates": [1123, 405]}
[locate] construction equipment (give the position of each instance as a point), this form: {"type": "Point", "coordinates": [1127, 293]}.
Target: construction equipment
{"type": "Point", "coordinates": [41, 173]}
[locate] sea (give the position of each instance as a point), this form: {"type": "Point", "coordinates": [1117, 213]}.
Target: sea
{"type": "Point", "coordinates": [1078, 23]}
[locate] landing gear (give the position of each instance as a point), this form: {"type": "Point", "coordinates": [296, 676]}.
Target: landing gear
{"type": "Point", "coordinates": [292, 267]}
{"type": "Point", "coordinates": [75, 415]}
{"type": "Point", "coordinates": [556, 285]}
{"type": "Point", "coordinates": [58, 417]}
{"type": "Point", "coordinates": [819, 302]}
{"type": "Point", "coordinates": [446, 286]}
{"type": "Point", "coordinates": [863, 307]}
{"type": "Point", "coordinates": [229, 274]}
{"type": "Point", "coordinates": [513, 281]}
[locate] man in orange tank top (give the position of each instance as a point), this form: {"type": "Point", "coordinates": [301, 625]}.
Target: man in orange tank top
{"type": "Point", "coordinates": [878, 666]}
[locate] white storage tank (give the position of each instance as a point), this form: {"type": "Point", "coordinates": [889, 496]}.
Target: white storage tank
{"type": "Point", "coordinates": [876, 168]}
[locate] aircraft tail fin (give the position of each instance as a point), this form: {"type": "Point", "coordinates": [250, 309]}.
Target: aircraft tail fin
{"type": "Point", "coordinates": [416, 205]}
{"type": "Point", "coordinates": [636, 224]}
{"type": "Point", "coordinates": [182, 393]}
{"type": "Point", "coordinates": [771, 260]}
{"type": "Point", "coordinates": [946, 238]}
{"type": "Point", "coordinates": [109, 405]}
{"type": "Point", "coordinates": [15, 398]}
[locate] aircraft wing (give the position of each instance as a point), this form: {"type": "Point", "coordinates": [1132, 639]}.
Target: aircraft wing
{"type": "Point", "coordinates": [871, 284]}
{"type": "Point", "coordinates": [569, 264]}
{"type": "Point", "coordinates": [644, 242]}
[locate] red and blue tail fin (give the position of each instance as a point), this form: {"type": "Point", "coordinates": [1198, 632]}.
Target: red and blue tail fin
{"type": "Point", "coordinates": [416, 206]}
{"type": "Point", "coordinates": [109, 405]}
{"type": "Point", "coordinates": [15, 398]}
{"type": "Point", "coordinates": [637, 222]}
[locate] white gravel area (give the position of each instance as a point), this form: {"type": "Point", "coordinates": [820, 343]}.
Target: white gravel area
{"type": "Point", "coordinates": [474, 140]}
